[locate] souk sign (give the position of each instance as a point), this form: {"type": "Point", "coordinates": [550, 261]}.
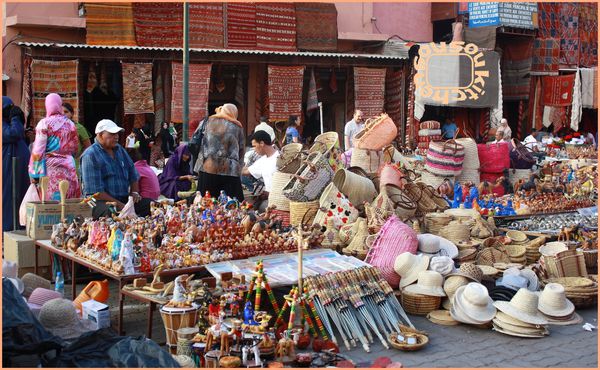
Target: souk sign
{"type": "Point", "coordinates": [449, 74]}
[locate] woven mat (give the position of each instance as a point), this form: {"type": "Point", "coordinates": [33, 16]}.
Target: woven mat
{"type": "Point", "coordinates": [137, 88]}
{"type": "Point", "coordinates": [206, 25]}
{"type": "Point", "coordinates": [316, 26]}
{"type": "Point", "coordinates": [546, 53]}
{"type": "Point", "coordinates": [241, 25]}
{"type": "Point", "coordinates": [558, 90]}
{"type": "Point", "coordinates": [158, 24]}
{"type": "Point", "coordinates": [393, 95]}
{"type": "Point", "coordinates": [548, 20]}
{"type": "Point", "coordinates": [109, 24]}
{"type": "Point", "coordinates": [198, 90]}
{"type": "Point", "coordinates": [53, 77]}
{"type": "Point", "coordinates": [369, 90]}
{"type": "Point", "coordinates": [285, 91]}
{"type": "Point", "coordinates": [276, 26]}
{"type": "Point", "coordinates": [516, 66]}
{"type": "Point", "coordinates": [588, 34]}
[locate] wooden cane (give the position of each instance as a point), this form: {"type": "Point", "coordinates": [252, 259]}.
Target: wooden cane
{"type": "Point", "coordinates": [63, 188]}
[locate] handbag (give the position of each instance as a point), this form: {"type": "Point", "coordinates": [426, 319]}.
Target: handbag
{"type": "Point", "coordinates": [311, 178]}
{"type": "Point", "coordinates": [334, 205]}
{"type": "Point", "coordinates": [445, 158]}
{"type": "Point", "coordinates": [521, 158]}
{"type": "Point", "coordinates": [290, 158]}
{"type": "Point", "coordinates": [378, 133]}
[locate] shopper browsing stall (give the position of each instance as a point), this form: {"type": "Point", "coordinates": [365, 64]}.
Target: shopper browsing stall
{"type": "Point", "coordinates": [265, 166]}
{"type": "Point", "coordinates": [148, 182]}
{"type": "Point", "coordinates": [177, 175]}
{"type": "Point", "coordinates": [109, 174]}
{"type": "Point", "coordinates": [353, 127]}
{"type": "Point", "coordinates": [291, 132]}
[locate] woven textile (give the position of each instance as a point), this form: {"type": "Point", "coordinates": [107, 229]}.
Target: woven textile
{"type": "Point", "coordinates": [137, 88]}
{"type": "Point", "coordinates": [53, 77]}
{"type": "Point", "coordinates": [198, 90]}
{"type": "Point", "coordinates": [548, 20]}
{"type": "Point", "coordinates": [569, 52]}
{"type": "Point", "coordinates": [394, 96]}
{"type": "Point", "coordinates": [158, 24]}
{"type": "Point", "coordinates": [316, 26]}
{"type": "Point", "coordinates": [26, 93]}
{"type": "Point", "coordinates": [276, 26]}
{"type": "Point", "coordinates": [109, 24]}
{"type": "Point", "coordinates": [558, 90]}
{"type": "Point", "coordinates": [285, 91]}
{"type": "Point", "coordinates": [516, 66]}
{"type": "Point", "coordinates": [569, 33]}
{"type": "Point", "coordinates": [241, 25]}
{"type": "Point", "coordinates": [369, 90]}
{"type": "Point", "coordinates": [206, 25]}
{"type": "Point", "coordinates": [312, 100]}
{"type": "Point", "coordinates": [546, 54]}
{"type": "Point", "coordinates": [588, 34]}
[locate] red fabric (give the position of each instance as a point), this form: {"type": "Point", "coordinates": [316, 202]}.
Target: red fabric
{"type": "Point", "coordinates": [276, 26]}
{"type": "Point", "coordinates": [312, 101]}
{"type": "Point", "coordinates": [588, 34]}
{"type": "Point", "coordinates": [241, 25]}
{"type": "Point", "coordinates": [569, 33]}
{"type": "Point", "coordinates": [493, 158]}
{"type": "Point", "coordinates": [158, 24]}
{"type": "Point", "coordinates": [369, 90]}
{"type": "Point", "coordinates": [516, 66]}
{"type": "Point", "coordinates": [490, 177]}
{"type": "Point", "coordinates": [558, 90]}
{"type": "Point", "coordinates": [285, 91]}
{"type": "Point", "coordinates": [548, 20]}
{"type": "Point", "coordinates": [394, 97]}
{"type": "Point", "coordinates": [198, 91]}
{"type": "Point", "coordinates": [546, 55]}
{"type": "Point", "coordinates": [206, 25]}
{"type": "Point", "coordinates": [316, 26]}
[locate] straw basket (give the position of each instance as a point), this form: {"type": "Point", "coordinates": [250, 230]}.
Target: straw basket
{"type": "Point", "coordinates": [379, 132]}
{"type": "Point", "coordinates": [419, 196]}
{"type": "Point", "coordinates": [290, 158]}
{"type": "Point", "coordinates": [569, 263]}
{"type": "Point", "coordinates": [404, 206]}
{"type": "Point", "coordinates": [516, 252]}
{"type": "Point", "coordinates": [433, 180]}
{"type": "Point", "coordinates": [456, 231]}
{"type": "Point", "coordinates": [368, 160]}
{"type": "Point", "coordinates": [515, 175]}
{"type": "Point", "coordinates": [434, 222]}
{"type": "Point", "coordinates": [469, 175]}
{"type": "Point", "coordinates": [328, 143]}
{"type": "Point", "coordinates": [433, 194]}
{"type": "Point", "coordinates": [471, 160]}
{"type": "Point", "coordinates": [298, 211]}
{"type": "Point", "coordinates": [419, 304]}
{"type": "Point", "coordinates": [176, 318]}
{"type": "Point", "coordinates": [357, 188]}
{"type": "Point", "coordinates": [276, 197]}
{"type": "Point", "coordinates": [408, 332]}
{"type": "Point", "coordinates": [489, 256]}
{"type": "Point", "coordinates": [591, 257]}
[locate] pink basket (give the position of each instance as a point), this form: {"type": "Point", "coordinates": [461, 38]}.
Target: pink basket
{"type": "Point", "coordinates": [393, 239]}
{"type": "Point", "coordinates": [493, 158]}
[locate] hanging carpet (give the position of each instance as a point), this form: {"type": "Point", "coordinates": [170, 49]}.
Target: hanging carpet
{"type": "Point", "coordinates": [53, 77]}
{"type": "Point", "coordinates": [158, 24]}
{"type": "Point", "coordinates": [516, 66]}
{"type": "Point", "coordinates": [206, 25]}
{"type": "Point", "coordinates": [546, 54]}
{"type": "Point", "coordinates": [109, 24]}
{"type": "Point", "coordinates": [285, 91]}
{"type": "Point", "coordinates": [276, 26]}
{"type": "Point", "coordinates": [558, 90]}
{"type": "Point", "coordinates": [198, 91]}
{"type": "Point", "coordinates": [137, 88]}
{"type": "Point", "coordinates": [241, 25]}
{"type": "Point", "coordinates": [369, 90]}
{"type": "Point", "coordinates": [316, 26]}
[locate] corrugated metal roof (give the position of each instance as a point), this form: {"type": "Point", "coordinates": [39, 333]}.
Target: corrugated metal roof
{"type": "Point", "coordinates": [395, 56]}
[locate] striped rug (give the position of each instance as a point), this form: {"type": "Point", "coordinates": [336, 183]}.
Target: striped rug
{"type": "Point", "coordinates": [198, 91]}
{"type": "Point", "coordinates": [158, 24]}
{"type": "Point", "coordinates": [285, 91]}
{"type": "Point", "coordinates": [54, 77]}
{"type": "Point", "coordinates": [316, 26]}
{"type": "Point", "coordinates": [276, 26]}
{"type": "Point", "coordinates": [137, 88]}
{"type": "Point", "coordinates": [109, 24]}
{"type": "Point", "coordinates": [394, 97]}
{"type": "Point", "coordinates": [369, 90]}
{"type": "Point", "coordinates": [241, 25]}
{"type": "Point", "coordinates": [206, 25]}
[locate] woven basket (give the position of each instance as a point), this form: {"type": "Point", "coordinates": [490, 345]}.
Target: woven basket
{"type": "Point", "coordinates": [299, 209]}
{"type": "Point", "coordinates": [408, 332]}
{"type": "Point", "coordinates": [276, 197]}
{"type": "Point", "coordinates": [368, 160]}
{"type": "Point", "coordinates": [328, 144]}
{"type": "Point", "coordinates": [379, 132]}
{"type": "Point", "coordinates": [456, 231]}
{"type": "Point", "coordinates": [419, 304]}
{"type": "Point", "coordinates": [565, 264]}
{"type": "Point", "coordinates": [404, 206]}
{"type": "Point", "coordinates": [489, 256]}
{"type": "Point", "coordinates": [290, 158]}
{"type": "Point", "coordinates": [424, 203]}
{"type": "Point", "coordinates": [515, 251]}
{"type": "Point", "coordinates": [357, 188]}
{"type": "Point", "coordinates": [435, 221]}
{"type": "Point", "coordinates": [433, 194]}
{"type": "Point", "coordinates": [433, 180]}
{"type": "Point", "coordinates": [471, 160]}
{"type": "Point", "coordinates": [591, 257]}
{"type": "Point", "coordinates": [469, 175]}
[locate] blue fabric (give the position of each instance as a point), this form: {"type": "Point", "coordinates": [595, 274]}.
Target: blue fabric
{"type": "Point", "coordinates": [449, 130]}
{"type": "Point", "coordinates": [290, 134]}
{"type": "Point", "coordinates": [102, 173]}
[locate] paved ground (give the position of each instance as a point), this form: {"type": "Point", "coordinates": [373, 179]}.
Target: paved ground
{"type": "Point", "coordinates": [450, 346]}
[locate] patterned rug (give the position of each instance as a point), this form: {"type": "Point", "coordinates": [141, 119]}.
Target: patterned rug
{"type": "Point", "coordinates": [394, 96]}
{"type": "Point", "coordinates": [588, 34]}
{"type": "Point", "coordinates": [137, 88]}
{"type": "Point", "coordinates": [369, 90]}
{"type": "Point", "coordinates": [206, 25]}
{"type": "Point", "coordinates": [198, 90]}
{"type": "Point", "coordinates": [546, 53]}
{"type": "Point", "coordinates": [53, 77]}
{"type": "Point", "coordinates": [109, 24]}
{"type": "Point", "coordinates": [158, 24]}
{"type": "Point", "coordinates": [569, 33]}
{"type": "Point", "coordinates": [276, 26]}
{"type": "Point", "coordinates": [312, 99]}
{"type": "Point", "coordinates": [558, 90]}
{"type": "Point", "coordinates": [548, 19]}
{"type": "Point", "coordinates": [516, 66]}
{"type": "Point", "coordinates": [316, 26]}
{"type": "Point", "coordinates": [241, 25]}
{"type": "Point", "coordinates": [285, 91]}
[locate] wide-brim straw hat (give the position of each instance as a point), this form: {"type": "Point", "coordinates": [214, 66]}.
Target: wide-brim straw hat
{"type": "Point", "coordinates": [513, 281]}
{"type": "Point", "coordinates": [552, 248]}
{"type": "Point", "coordinates": [32, 282]}
{"type": "Point", "coordinates": [60, 317]}
{"type": "Point", "coordinates": [445, 246]}
{"type": "Point", "coordinates": [474, 302]}
{"type": "Point", "coordinates": [516, 331]}
{"type": "Point", "coordinates": [452, 284]}
{"type": "Point", "coordinates": [517, 237]}
{"type": "Point", "coordinates": [470, 271]}
{"type": "Point", "coordinates": [408, 266]}
{"type": "Point", "coordinates": [442, 264]}
{"type": "Point", "coordinates": [429, 283]}
{"type": "Point", "coordinates": [569, 320]}
{"type": "Point", "coordinates": [553, 301]}
{"type": "Point", "coordinates": [523, 306]}
{"type": "Point", "coordinates": [40, 296]}
{"type": "Point", "coordinates": [441, 317]}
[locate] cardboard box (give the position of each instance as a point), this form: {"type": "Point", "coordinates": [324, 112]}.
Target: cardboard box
{"type": "Point", "coordinates": [19, 248]}
{"type": "Point", "coordinates": [42, 216]}
{"type": "Point", "coordinates": [96, 312]}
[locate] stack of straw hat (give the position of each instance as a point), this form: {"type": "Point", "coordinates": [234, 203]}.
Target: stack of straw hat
{"type": "Point", "coordinates": [516, 279]}
{"type": "Point", "coordinates": [532, 249]}
{"type": "Point", "coordinates": [471, 304]}
{"type": "Point", "coordinates": [520, 317]}
{"type": "Point", "coordinates": [424, 296]}
{"type": "Point", "coordinates": [434, 222]}
{"type": "Point", "coordinates": [408, 266]}
{"type": "Point", "coordinates": [467, 272]}
{"type": "Point", "coordinates": [583, 292]}
{"type": "Point", "coordinates": [456, 231]}
{"type": "Point", "coordinates": [556, 307]}
{"type": "Point", "coordinates": [434, 245]}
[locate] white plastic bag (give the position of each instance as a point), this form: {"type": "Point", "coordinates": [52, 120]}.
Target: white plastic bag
{"type": "Point", "coordinates": [128, 210]}
{"type": "Point", "coordinates": [31, 196]}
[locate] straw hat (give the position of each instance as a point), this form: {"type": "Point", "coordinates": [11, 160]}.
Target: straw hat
{"type": "Point", "coordinates": [32, 282]}
{"type": "Point", "coordinates": [10, 271]}
{"type": "Point", "coordinates": [452, 284]}
{"type": "Point", "coordinates": [60, 317]}
{"type": "Point", "coordinates": [441, 317]}
{"type": "Point", "coordinates": [523, 306]}
{"type": "Point", "coordinates": [429, 283]}
{"type": "Point", "coordinates": [512, 281]}
{"type": "Point", "coordinates": [474, 303]}
{"type": "Point", "coordinates": [436, 245]}
{"type": "Point", "coordinates": [518, 331]}
{"type": "Point", "coordinates": [554, 302]}
{"type": "Point", "coordinates": [469, 271]}
{"type": "Point", "coordinates": [408, 266]}
{"type": "Point", "coordinates": [568, 320]}
{"type": "Point", "coordinates": [518, 237]}
{"type": "Point", "coordinates": [442, 264]}
{"type": "Point", "coordinates": [551, 249]}
{"type": "Point", "coordinates": [39, 297]}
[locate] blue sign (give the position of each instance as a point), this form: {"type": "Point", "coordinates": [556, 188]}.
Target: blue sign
{"type": "Point", "coordinates": [484, 14]}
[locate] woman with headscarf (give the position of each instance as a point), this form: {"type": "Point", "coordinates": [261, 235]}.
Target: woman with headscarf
{"type": "Point", "coordinates": [13, 145]}
{"type": "Point", "coordinates": [176, 175]}
{"type": "Point", "coordinates": [55, 144]}
{"type": "Point", "coordinates": [221, 156]}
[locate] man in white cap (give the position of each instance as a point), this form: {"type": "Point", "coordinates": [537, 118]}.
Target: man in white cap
{"type": "Point", "coordinates": [506, 129]}
{"type": "Point", "coordinates": [109, 173]}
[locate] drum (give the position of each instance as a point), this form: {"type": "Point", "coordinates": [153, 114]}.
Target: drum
{"type": "Point", "coordinates": [211, 359]}
{"type": "Point", "coordinates": [176, 318]}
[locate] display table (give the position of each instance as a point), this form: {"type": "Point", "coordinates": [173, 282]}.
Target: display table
{"type": "Point", "coordinates": [151, 300]}
{"type": "Point", "coordinates": [121, 279]}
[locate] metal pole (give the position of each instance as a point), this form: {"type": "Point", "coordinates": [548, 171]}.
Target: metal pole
{"type": "Point", "coordinates": [321, 115]}
{"type": "Point", "coordinates": [186, 71]}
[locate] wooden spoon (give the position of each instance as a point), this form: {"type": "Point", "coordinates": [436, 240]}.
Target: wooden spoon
{"type": "Point", "coordinates": [44, 187]}
{"type": "Point", "coordinates": [63, 188]}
